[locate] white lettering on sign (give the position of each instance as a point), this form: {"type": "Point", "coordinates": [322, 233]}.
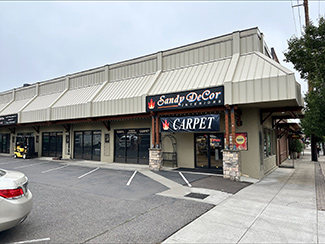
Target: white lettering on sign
{"type": "Point", "coordinates": [205, 96]}
{"type": "Point", "coordinates": [190, 124]}
{"type": "Point", "coordinates": [170, 101]}
{"type": "Point", "coordinates": [191, 97]}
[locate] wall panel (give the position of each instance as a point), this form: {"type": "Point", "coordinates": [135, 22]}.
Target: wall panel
{"type": "Point", "coordinates": [26, 92]}
{"type": "Point", "coordinates": [87, 79]}
{"type": "Point", "coordinates": [132, 70]}
{"type": "Point", "coordinates": [52, 87]}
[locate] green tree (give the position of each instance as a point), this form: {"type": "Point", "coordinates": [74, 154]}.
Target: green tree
{"type": "Point", "coordinates": [307, 54]}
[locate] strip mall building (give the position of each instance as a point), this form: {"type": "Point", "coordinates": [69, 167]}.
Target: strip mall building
{"type": "Point", "coordinates": [191, 101]}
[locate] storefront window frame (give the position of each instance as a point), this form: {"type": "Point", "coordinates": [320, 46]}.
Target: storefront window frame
{"type": "Point", "coordinates": [269, 144]}
{"type": "Point", "coordinates": [92, 155]}
{"type": "Point", "coordinates": [5, 143]}
{"type": "Point", "coordinates": [140, 134]}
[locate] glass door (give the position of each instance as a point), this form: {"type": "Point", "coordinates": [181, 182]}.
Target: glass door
{"type": "Point", "coordinates": [45, 144]}
{"type": "Point", "coordinates": [97, 136]}
{"type": "Point", "coordinates": [119, 146]}
{"type": "Point", "coordinates": [132, 146]}
{"type": "Point", "coordinates": [59, 144]}
{"type": "Point", "coordinates": [208, 152]}
{"type": "Point", "coordinates": [78, 145]}
{"type": "Point", "coordinates": [202, 151]}
{"type": "Point", "coordinates": [216, 146]}
{"type": "Point", "coordinates": [87, 145]}
{"type": "Point", "coordinates": [52, 144]}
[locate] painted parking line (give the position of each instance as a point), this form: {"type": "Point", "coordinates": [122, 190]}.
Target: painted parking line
{"type": "Point", "coordinates": [92, 171]}
{"type": "Point", "coordinates": [10, 162]}
{"type": "Point", "coordinates": [29, 165]}
{"type": "Point", "coordinates": [50, 170]}
{"type": "Point", "coordinates": [186, 181]}
{"type": "Point", "coordinates": [32, 241]}
{"type": "Point", "coordinates": [130, 180]}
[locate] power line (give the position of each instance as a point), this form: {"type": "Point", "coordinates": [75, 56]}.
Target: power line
{"type": "Point", "coordinates": [294, 19]}
{"type": "Point", "coordinates": [299, 17]}
{"type": "Point", "coordinates": [319, 9]}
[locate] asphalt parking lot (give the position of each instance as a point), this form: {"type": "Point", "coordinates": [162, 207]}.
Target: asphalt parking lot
{"type": "Point", "coordinates": [76, 204]}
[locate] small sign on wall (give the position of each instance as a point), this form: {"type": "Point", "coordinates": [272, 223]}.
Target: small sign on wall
{"type": "Point", "coordinates": [241, 141]}
{"type": "Point", "coordinates": [106, 138]}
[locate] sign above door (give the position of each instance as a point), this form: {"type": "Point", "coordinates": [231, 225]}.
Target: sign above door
{"type": "Point", "coordinates": [209, 122]}
{"type": "Point", "coordinates": [206, 97]}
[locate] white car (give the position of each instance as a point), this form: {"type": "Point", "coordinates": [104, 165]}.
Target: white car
{"type": "Point", "coordinates": [16, 200]}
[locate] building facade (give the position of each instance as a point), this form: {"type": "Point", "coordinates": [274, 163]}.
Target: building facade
{"type": "Point", "coordinates": [192, 101]}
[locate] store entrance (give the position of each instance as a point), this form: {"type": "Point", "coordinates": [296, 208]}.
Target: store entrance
{"type": "Point", "coordinates": [87, 145]}
{"type": "Point", "coordinates": [208, 152]}
{"type": "Point", "coordinates": [131, 146]}
{"type": "Point", "coordinates": [52, 144]}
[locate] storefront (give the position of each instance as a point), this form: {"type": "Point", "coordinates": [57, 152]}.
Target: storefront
{"type": "Point", "coordinates": [87, 145]}
{"type": "Point", "coordinates": [131, 146]}
{"type": "Point", "coordinates": [4, 143]}
{"type": "Point", "coordinates": [52, 144]}
{"type": "Point", "coordinates": [208, 150]}
{"type": "Point", "coordinates": [192, 102]}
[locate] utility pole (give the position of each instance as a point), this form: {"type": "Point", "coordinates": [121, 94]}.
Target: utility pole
{"type": "Point", "coordinates": [310, 88]}
{"type": "Point", "coordinates": [306, 12]}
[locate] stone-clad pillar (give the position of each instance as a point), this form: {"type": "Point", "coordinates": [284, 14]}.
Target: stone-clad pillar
{"type": "Point", "coordinates": [231, 164]}
{"type": "Point", "coordinates": [155, 159]}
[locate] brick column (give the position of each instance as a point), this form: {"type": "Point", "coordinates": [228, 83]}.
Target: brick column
{"type": "Point", "coordinates": [231, 164]}
{"type": "Point", "coordinates": [155, 159]}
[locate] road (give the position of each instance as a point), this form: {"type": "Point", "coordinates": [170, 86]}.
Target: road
{"type": "Point", "coordinates": [77, 204]}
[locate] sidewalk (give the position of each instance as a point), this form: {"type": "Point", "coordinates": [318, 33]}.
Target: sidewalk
{"type": "Point", "coordinates": [281, 208]}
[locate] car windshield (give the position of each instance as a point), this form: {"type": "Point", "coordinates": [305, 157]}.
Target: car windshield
{"type": "Point", "coordinates": [2, 172]}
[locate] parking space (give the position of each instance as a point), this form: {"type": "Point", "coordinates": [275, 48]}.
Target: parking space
{"type": "Point", "coordinates": [97, 207]}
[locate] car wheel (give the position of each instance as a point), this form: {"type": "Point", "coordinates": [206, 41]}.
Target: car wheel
{"type": "Point", "coordinates": [15, 155]}
{"type": "Point", "coordinates": [24, 156]}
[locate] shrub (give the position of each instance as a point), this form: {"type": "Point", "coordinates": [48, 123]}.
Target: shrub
{"type": "Point", "coordinates": [296, 146]}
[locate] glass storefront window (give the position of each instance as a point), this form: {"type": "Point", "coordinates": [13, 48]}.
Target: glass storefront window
{"type": "Point", "coordinates": [87, 145]}
{"type": "Point", "coordinates": [52, 144]}
{"type": "Point", "coordinates": [131, 146]}
{"type": "Point", "coordinates": [269, 143]}
{"type": "Point", "coordinates": [78, 145]}
{"type": "Point", "coordinates": [119, 146]}
{"type": "Point", "coordinates": [45, 144]}
{"type": "Point", "coordinates": [4, 143]}
{"type": "Point", "coordinates": [144, 145]}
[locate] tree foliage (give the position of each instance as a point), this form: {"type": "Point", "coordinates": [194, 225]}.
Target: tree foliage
{"type": "Point", "coordinates": [307, 54]}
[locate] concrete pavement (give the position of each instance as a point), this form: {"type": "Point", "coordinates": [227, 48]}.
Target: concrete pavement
{"type": "Point", "coordinates": [281, 208]}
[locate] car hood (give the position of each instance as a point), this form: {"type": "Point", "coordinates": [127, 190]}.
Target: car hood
{"type": "Point", "coordinates": [12, 179]}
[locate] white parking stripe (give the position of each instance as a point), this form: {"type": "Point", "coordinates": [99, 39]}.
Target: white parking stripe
{"type": "Point", "coordinates": [11, 162]}
{"type": "Point", "coordinates": [32, 241]}
{"type": "Point", "coordinates": [29, 165]}
{"type": "Point", "coordinates": [88, 173]}
{"type": "Point", "coordinates": [129, 182]}
{"type": "Point", "coordinates": [188, 183]}
{"type": "Point", "coordinates": [49, 170]}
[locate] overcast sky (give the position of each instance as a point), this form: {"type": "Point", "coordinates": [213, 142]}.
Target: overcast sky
{"type": "Point", "coordinates": [44, 40]}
